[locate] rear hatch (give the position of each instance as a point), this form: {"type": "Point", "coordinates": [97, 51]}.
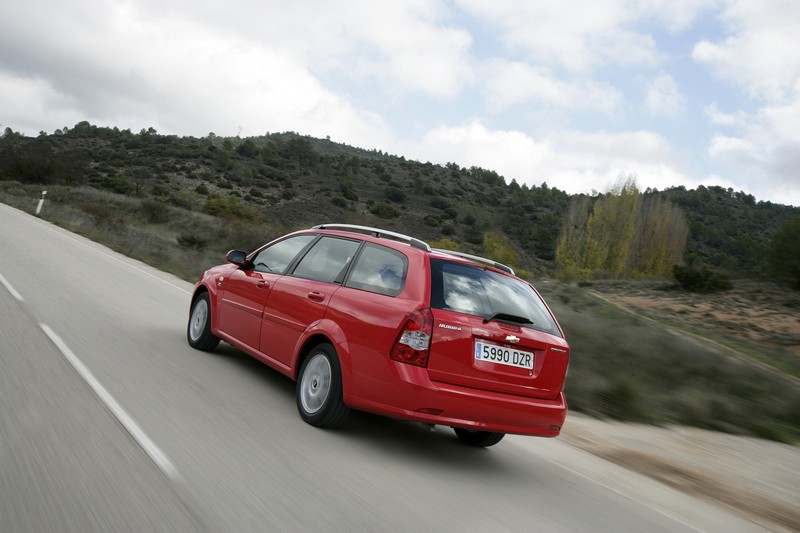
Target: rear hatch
{"type": "Point", "coordinates": [493, 332]}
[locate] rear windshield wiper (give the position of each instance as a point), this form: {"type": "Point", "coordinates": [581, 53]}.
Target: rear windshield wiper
{"type": "Point", "coordinates": [506, 317]}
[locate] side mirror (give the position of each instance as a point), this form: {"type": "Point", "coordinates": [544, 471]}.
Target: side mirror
{"type": "Point", "coordinates": [237, 257]}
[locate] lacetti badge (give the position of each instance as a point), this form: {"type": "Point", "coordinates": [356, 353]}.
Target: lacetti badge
{"type": "Point", "coordinates": [448, 326]}
{"type": "Point", "coordinates": [512, 339]}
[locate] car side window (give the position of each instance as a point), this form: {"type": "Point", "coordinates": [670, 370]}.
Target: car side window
{"type": "Point", "coordinates": [379, 269]}
{"type": "Point", "coordinates": [277, 257]}
{"type": "Point", "coordinates": [326, 259]}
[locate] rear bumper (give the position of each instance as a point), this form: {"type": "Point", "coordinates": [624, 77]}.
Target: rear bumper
{"type": "Point", "coordinates": [432, 402]}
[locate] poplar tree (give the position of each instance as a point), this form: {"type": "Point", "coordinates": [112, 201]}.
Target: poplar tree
{"type": "Point", "coordinates": [622, 235]}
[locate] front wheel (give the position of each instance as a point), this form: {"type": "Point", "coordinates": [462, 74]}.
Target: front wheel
{"type": "Point", "coordinates": [319, 388]}
{"type": "Point", "coordinates": [198, 331]}
{"type": "Point", "coordinates": [478, 438]}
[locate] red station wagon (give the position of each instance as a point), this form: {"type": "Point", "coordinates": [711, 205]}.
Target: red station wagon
{"type": "Point", "coordinates": [377, 321]}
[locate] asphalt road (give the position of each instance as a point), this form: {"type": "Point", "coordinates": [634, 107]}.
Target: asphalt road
{"type": "Point", "coordinates": [109, 421]}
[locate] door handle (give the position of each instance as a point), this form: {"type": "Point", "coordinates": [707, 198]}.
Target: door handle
{"type": "Point", "coordinates": [262, 284]}
{"type": "Point", "coordinates": [316, 296]}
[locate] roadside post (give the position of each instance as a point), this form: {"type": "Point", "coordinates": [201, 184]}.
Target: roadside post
{"type": "Point", "coordinates": [41, 203]}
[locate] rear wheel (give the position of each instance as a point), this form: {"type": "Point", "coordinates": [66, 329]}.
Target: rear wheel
{"type": "Point", "coordinates": [198, 331]}
{"type": "Point", "coordinates": [478, 438]}
{"type": "Point", "coordinates": [319, 388]}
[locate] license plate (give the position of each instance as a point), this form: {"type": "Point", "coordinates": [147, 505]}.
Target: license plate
{"type": "Point", "coordinates": [503, 356]}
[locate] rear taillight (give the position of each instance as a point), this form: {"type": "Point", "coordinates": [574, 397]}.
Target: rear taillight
{"type": "Point", "coordinates": [414, 341]}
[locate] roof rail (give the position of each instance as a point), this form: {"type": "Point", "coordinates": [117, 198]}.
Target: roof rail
{"type": "Point", "coordinates": [375, 232]}
{"type": "Point", "coordinates": [478, 259]}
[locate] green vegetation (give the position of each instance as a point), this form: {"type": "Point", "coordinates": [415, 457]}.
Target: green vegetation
{"type": "Point", "coordinates": [621, 235]}
{"type": "Point", "coordinates": [701, 280]}
{"type": "Point", "coordinates": [784, 254]}
{"type": "Point", "coordinates": [299, 181]}
{"type": "Point", "coordinates": [629, 368]}
{"type": "Point", "coordinates": [729, 231]}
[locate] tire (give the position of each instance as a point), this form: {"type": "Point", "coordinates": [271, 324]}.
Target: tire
{"type": "Point", "coordinates": [198, 331]}
{"type": "Point", "coordinates": [319, 388]}
{"type": "Point", "coordinates": [482, 439]}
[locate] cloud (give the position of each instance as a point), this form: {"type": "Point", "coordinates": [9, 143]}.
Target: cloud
{"type": "Point", "coordinates": [408, 46]}
{"type": "Point", "coordinates": [719, 118]}
{"type": "Point", "coordinates": [663, 97]}
{"type": "Point", "coordinates": [510, 83]}
{"type": "Point", "coordinates": [760, 52]}
{"type": "Point", "coordinates": [586, 34]}
{"type": "Point", "coordinates": [766, 153]}
{"type": "Point", "coordinates": [572, 161]}
{"type": "Point", "coordinates": [132, 69]}
{"type": "Point", "coordinates": [675, 15]}
{"type": "Point", "coordinates": [759, 56]}
{"type": "Point", "coordinates": [25, 100]}
{"type": "Point", "coordinates": [724, 146]}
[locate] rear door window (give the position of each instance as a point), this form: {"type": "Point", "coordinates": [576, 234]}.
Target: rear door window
{"type": "Point", "coordinates": [480, 292]}
{"type": "Point", "coordinates": [379, 269]}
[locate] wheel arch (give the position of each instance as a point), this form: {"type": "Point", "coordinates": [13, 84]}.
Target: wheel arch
{"type": "Point", "coordinates": [325, 332]}
{"type": "Point", "coordinates": [212, 302]}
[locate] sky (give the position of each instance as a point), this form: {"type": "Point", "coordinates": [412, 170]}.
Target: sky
{"type": "Point", "coordinates": [576, 94]}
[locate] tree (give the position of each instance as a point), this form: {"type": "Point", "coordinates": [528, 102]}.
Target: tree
{"type": "Point", "coordinates": [662, 232]}
{"type": "Point", "coordinates": [247, 149]}
{"type": "Point", "coordinates": [611, 229]}
{"type": "Point", "coordinates": [570, 252]}
{"type": "Point", "coordinates": [622, 235]}
{"type": "Point", "coordinates": [783, 254]}
{"type": "Point", "coordinates": [498, 248]}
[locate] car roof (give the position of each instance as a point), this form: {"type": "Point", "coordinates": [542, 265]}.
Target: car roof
{"type": "Point", "coordinates": [377, 234]}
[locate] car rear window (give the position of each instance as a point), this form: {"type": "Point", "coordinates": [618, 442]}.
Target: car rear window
{"type": "Point", "coordinates": [476, 291]}
{"type": "Point", "coordinates": [379, 269]}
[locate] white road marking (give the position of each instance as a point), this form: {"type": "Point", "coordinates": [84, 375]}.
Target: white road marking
{"type": "Point", "coordinates": [10, 288]}
{"type": "Point", "coordinates": [159, 457]}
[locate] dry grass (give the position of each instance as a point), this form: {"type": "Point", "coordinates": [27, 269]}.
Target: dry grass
{"type": "Point", "coordinates": [637, 368]}
{"type": "Point", "coordinates": [755, 319]}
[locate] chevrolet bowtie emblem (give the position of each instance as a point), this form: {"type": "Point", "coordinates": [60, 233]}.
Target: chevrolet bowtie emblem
{"type": "Point", "coordinates": [512, 339]}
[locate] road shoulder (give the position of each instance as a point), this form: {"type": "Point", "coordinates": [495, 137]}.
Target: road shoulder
{"type": "Point", "coordinates": [755, 478]}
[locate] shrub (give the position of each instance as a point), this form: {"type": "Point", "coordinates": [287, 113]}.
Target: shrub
{"type": "Point", "coordinates": [191, 240]}
{"type": "Point", "coordinates": [701, 280]}
{"type": "Point", "coordinates": [446, 243]}
{"type": "Point", "coordinates": [230, 207]}
{"type": "Point", "coordinates": [102, 214]}
{"type": "Point", "coordinates": [385, 211]}
{"type": "Point", "coordinates": [431, 220]}
{"type": "Point", "coordinates": [440, 203]}
{"type": "Point", "coordinates": [395, 195]}
{"type": "Point", "coordinates": [783, 255]}
{"type": "Point", "coordinates": [154, 211]}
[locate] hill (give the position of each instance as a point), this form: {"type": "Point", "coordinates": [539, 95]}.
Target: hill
{"type": "Point", "coordinates": [289, 181]}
